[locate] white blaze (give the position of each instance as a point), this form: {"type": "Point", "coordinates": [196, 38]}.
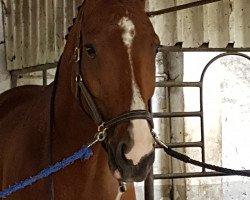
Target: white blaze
{"type": "Point", "coordinates": [139, 129]}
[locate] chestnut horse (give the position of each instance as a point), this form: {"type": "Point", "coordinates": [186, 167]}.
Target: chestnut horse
{"type": "Point", "coordinates": [106, 72]}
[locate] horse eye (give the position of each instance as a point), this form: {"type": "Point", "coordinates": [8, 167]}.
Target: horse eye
{"type": "Point", "coordinates": [90, 51]}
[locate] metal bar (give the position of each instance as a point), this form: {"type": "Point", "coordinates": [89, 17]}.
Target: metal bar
{"type": "Point", "coordinates": [44, 77]}
{"type": "Point", "coordinates": [13, 80]}
{"type": "Point", "coordinates": [191, 175]}
{"type": "Point", "coordinates": [203, 158]}
{"type": "Point", "coordinates": [34, 68]}
{"type": "Point", "coordinates": [182, 144]}
{"type": "Point", "coordinates": [202, 48]}
{"type": "Point", "coordinates": [149, 182]}
{"type": "Point", "coordinates": [177, 114]}
{"type": "Point", "coordinates": [181, 7]}
{"type": "Point", "coordinates": [149, 186]}
{"type": "Point", "coordinates": [178, 84]}
{"type": "Point", "coordinates": [43, 68]}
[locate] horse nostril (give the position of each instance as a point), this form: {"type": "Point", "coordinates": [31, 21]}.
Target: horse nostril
{"type": "Point", "coordinates": [122, 151]}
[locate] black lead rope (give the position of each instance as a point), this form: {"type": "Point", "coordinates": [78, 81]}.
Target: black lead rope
{"type": "Point", "coordinates": [189, 160]}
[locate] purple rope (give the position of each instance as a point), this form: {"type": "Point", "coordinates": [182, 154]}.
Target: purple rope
{"type": "Point", "coordinates": [83, 154]}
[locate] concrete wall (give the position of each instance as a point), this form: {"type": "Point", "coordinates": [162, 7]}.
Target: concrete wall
{"type": "Point", "coordinates": [203, 188]}
{"type": "Point", "coordinates": [227, 124]}
{"type": "Point", "coordinates": [235, 120]}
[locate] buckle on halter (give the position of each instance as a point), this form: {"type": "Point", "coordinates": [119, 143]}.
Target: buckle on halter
{"type": "Point", "coordinates": [77, 54]}
{"type": "Point", "coordinates": [101, 136]}
{"type": "Point", "coordinates": [101, 127]}
{"type": "Point", "coordinates": [78, 78]}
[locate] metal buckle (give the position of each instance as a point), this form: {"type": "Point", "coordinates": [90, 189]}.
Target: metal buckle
{"type": "Point", "coordinates": [99, 137]}
{"type": "Point", "coordinates": [101, 127]}
{"type": "Point", "coordinates": [77, 54]}
{"type": "Point", "coordinates": [123, 187]}
{"type": "Point", "coordinates": [78, 78]}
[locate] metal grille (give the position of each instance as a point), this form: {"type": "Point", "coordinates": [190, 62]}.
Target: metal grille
{"type": "Point", "coordinates": [149, 184]}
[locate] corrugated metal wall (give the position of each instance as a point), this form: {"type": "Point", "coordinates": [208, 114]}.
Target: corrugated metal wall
{"type": "Point", "coordinates": [216, 24]}
{"type": "Point", "coordinates": [35, 30]}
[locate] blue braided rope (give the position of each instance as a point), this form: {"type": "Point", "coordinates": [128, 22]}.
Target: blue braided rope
{"type": "Point", "coordinates": [83, 154]}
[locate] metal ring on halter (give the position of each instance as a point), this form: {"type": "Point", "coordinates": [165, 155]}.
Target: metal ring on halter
{"type": "Point", "coordinates": [101, 135]}
{"type": "Point", "coordinates": [101, 127]}
{"type": "Point", "coordinates": [154, 134]}
{"type": "Point", "coordinates": [123, 187]}
{"type": "Point", "coordinates": [77, 54]}
{"type": "Point", "coordinates": [78, 78]}
{"type": "Point", "coordinates": [158, 141]}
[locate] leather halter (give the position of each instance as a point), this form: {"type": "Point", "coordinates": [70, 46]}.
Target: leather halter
{"type": "Point", "coordinates": [95, 114]}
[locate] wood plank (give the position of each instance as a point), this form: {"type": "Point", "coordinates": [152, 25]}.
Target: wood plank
{"type": "Point", "coordinates": [9, 33]}
{"type": "Point", "coordinates": [218, 24]}
{"type": "Point", "coordinates": [165, 25]}
{"type": "Point", "coordinates": [242, 23]}
{"type": "Point", "coordinates": [59, 25]}
{"type": "Point", "coordinates": [27, 51]}
{"type": "Point", "coordinates": [42, 32]}
{"type": "Point", "coordinates": [50, 35]}
{"type": "Point", "coordinates": [192, 26]}
{"type": "Point", "coordinates": [18, 35]}
{"type": "Point", "coordinates": [69, 14]}
{"type": "Point", "coordinates": [34, 33]}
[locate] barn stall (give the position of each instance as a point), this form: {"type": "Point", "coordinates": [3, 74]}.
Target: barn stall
{"type": "Point", "coordinates": [32, 39]}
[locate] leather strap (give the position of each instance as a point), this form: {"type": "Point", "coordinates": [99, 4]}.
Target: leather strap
{"type": "Point", "coordinates": [131, 115]}
{"type": "Point", "coordinates": [94, 111]}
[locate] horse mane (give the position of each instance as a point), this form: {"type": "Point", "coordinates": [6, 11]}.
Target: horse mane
{"type": "Point", "coordinates": [74, 19]}
{"type": "Point", "coordinates": [54, 87]}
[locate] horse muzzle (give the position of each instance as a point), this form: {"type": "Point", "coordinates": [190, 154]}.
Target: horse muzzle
{"type": "Point", "coordinates": [127, 171]}
{"type": "Point", "coordinates": [117, 145]}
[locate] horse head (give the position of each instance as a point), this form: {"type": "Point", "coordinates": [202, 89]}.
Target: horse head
{"type": "Point", "coordinates": [118, 47]}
